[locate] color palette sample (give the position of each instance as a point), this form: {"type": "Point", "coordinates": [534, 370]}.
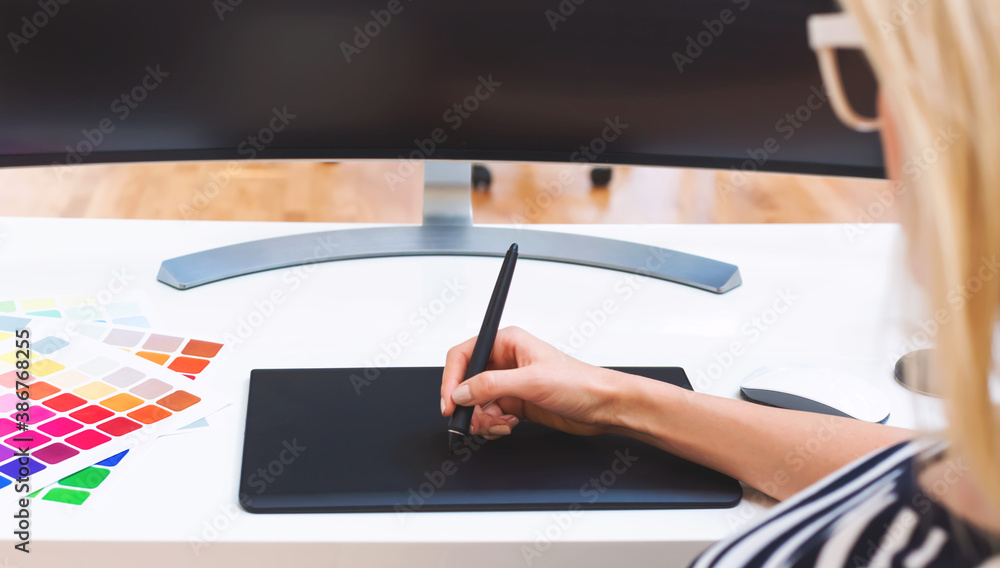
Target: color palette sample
{"type": "Point", "coordinates": [88, 401]}
{"type": "Point", "coordinates": [80, 487]}
{"type": "Point", "coordinates": [189, 357]}
{"type": "Point", "coordinates": [162, 349]}
{"type": "Point", "coordinates": [84, 307]}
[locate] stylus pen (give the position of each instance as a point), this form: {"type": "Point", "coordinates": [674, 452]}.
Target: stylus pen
{"type": "Point", "coordinates": [461, 420]}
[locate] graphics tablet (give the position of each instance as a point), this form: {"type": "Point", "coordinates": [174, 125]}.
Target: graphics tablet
{"type": "Point", "coordinates": [373, 440]}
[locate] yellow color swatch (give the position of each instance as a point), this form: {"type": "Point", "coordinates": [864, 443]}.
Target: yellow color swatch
{"type": "Point", "coordinates": [5, 335]}
{"type": "Point", "coordinates": [44, 367]}
{"type": "Point", "coordinates": [95, 390]}
{"type": "Point", "coordinates": [122, 402]}
{"type": "Point", "coordinates": [38, 304]}
{"type": "Point", "coordinates": [12, 357]}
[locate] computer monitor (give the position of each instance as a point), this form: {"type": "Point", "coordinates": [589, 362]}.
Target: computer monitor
{"type": "Point", "coordinates": [693, 83]}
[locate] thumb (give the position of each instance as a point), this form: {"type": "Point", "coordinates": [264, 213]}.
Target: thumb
{"type": "Point", "coordinates": [491, 385]}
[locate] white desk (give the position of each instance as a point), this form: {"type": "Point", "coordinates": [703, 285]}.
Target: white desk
{"type": "Point", "coordinates": [338, 314]}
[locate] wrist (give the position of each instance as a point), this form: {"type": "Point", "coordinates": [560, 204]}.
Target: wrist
{"type": "Point", "coordinates": [638, 406]}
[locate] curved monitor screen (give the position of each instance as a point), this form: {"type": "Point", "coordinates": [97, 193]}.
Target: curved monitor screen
{"type": "Point", "coordinates": [700, 83]}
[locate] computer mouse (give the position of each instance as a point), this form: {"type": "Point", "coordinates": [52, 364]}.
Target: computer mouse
{"type": "Point", "coordinates": [816, 390]}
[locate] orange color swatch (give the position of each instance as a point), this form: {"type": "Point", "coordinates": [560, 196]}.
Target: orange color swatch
{"type": "Point", "coordinates": [178, 400]}
{"type": "Point", "coordinates": [149, 414]}
{"type": "Point", "coordinates": [188, 365]}
{"type": "Point", "coordinates": [158, 358]}
{"type": "Point", "coordinates": [201, 348]}
{"type": "Point", "coordinates": [41, 389]}
{"type": "Point", "coordinates": [122, 402]}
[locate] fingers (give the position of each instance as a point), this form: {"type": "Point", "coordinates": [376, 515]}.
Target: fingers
{"type": "Point", "coordinates": [509, 342]}
{"type": "Point", "coordinates": [455, 364]}
{"type": "Point", "coordinates": [486, 423]}
{"type": "Point", "coordinates": [491, 385]}
{"type": "Point", "coordinates": [492, 423]}
{"type": "Point", "coordinates": [488, 420]}
{"type": "Point", "coordinates": [504, 356]}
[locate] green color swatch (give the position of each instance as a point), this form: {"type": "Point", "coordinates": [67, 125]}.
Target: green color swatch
{"type": "Point", "coordinates": [70, 496]}
{"type": "Point", "coordinates": [46, 313]}
{"type": "Point", "coordinates": [88, 478]}
{"type": "Point", "coordinates": [7, 306]}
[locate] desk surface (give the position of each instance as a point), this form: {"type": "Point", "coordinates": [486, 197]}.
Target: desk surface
{"type": "Point", "coordinates": [812, 295]}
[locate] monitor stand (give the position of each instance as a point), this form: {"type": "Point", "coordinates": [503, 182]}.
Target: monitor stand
{"type": "Point", "coordinates": [447, 230]}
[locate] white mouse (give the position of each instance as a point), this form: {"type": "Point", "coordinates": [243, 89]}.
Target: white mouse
{"type": "Point", "coordinates": [816, 390]}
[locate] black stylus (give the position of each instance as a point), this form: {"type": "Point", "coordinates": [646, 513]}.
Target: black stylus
{"type": "Point", "coordinates": [461, 420]}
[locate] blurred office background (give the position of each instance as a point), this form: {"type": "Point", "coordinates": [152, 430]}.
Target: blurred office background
{"type": "Point", "coordinates": [372, 192]}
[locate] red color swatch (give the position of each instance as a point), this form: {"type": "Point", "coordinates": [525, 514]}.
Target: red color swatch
{"type": "Point", "coordinates": [37, 439]}
{"type": "Point", "coordinates": [35, 414]}
{"type": "Point", "coordinates": [64, 402]}
{"type": "Point", "coordinates": [55, 453]}
{"type": "Point", "coordinates": [119, 426]}
{"type": "Point", "coordinates": [91, 414]}
{"type": "Point", "coordinates": [60, 426]}
{"type": "Point", "coordinates": [87, 439]}
{"type": "Point", "coordinates": [7, 426]}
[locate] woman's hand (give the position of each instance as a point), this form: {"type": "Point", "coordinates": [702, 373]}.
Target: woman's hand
{"type": "Point", "coordinates": [528, 379]}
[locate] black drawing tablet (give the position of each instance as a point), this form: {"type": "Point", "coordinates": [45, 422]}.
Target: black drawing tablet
{"type": "Point", "coordinates": [319, 441]}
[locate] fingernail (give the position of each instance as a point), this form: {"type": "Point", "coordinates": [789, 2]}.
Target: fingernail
{"type": "Point", "coordinates": [462, 395]}
{"type": "Point", "coordinates": [499, 430]}
{"type": "Point", "coordinates": [442, 406]}
{"type": "Point", "coordinates": [472, 428]}
{"type": "Point", "coordinates": [511, 419]}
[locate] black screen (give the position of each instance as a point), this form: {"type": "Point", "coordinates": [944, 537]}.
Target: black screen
{"type": "Point", "coordinates": [367, 440]}
{"type": "Point", "coordinates": [702, 83]}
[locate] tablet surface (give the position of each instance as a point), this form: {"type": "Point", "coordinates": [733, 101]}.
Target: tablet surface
{"type": "Point", "coordinates": [357, 440]}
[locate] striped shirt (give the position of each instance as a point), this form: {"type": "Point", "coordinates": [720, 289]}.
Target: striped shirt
{"type": "Point", "coordinates": [871, 513]}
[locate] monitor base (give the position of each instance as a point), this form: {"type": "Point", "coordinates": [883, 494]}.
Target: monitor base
{"type": "Point", "coordinates": [447, 230]}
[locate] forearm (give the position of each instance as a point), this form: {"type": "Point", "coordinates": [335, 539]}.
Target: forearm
{"type": "Point", "coordinates": [776, 451]}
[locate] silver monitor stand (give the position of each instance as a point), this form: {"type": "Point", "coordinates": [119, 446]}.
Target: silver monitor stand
{"type": "Point", "coordinates": [447, 230]}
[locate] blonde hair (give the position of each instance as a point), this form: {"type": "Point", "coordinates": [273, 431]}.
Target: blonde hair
{"type": "Point", "coordinates": [938, 64]}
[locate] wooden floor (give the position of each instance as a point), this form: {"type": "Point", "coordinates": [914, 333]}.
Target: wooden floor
{"type": "Point", "coordinates": [362, 192]}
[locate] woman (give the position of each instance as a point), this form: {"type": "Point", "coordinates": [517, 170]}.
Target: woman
{"type": "Point", "coordinates": [873, 495]}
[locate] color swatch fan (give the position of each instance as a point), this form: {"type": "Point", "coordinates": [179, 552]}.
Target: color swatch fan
{"type": "Point", "coordinates": [87, 402]}
{"type": "Point", "coordinates": [191, 357]}
{"type": "Point", "coordinates": [90, 486]}
{"type": "Point", "coordinates": [187, 356]}
{"type": "Point", "coordinates": [80, 307]}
